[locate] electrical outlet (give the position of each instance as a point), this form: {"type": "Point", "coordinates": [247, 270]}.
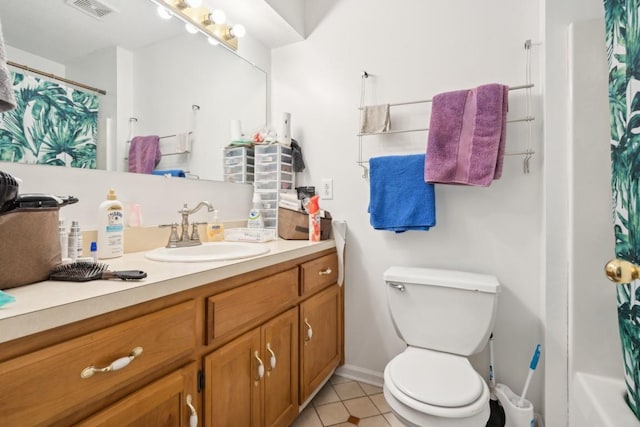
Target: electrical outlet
{"type": "Point", "coordinates": [327, 189]}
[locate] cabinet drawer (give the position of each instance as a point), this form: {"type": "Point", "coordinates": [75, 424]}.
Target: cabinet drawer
{"type": "Point", "coordinates": [46, 386]}
{"type": "Point", "coordinates": [319, 273]}
{"type": "Point", "coordinates": [240, 307]}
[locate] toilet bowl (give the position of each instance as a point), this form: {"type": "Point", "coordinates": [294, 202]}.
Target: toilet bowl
{"type": "Point", "coordinates": [428, 388]}
{"type": "Point", "coordinates": [443, 316]}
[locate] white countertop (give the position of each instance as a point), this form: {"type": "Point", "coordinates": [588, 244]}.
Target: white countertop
{"type": "Point", "coordinates": [49, 304]}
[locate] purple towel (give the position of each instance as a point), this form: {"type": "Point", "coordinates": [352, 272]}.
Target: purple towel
{"type": "Point", "coordinates": [144, 154]}
{"type": "Point", "coordinates": [467, 136]}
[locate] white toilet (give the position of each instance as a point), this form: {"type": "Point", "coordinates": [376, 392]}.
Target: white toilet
{"type": "Point", "coordinates": [443, 316]}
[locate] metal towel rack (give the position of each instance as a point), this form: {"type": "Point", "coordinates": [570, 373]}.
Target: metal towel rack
{"type": "Point", "coordinates": [528, 118]}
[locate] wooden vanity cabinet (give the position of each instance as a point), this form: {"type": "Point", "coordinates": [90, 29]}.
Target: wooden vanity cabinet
{"type": "Point", "coordinates": [320, 335]}
{"type": "Point", "coordinates": [207, 342]}
{"type": "Point", "coordinates": [164, 403]}
{"type": "Point", "coordinates": [253, 381]}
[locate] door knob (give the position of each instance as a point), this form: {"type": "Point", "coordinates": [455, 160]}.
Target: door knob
{"type": "Point", "coordinates": [621, 271]}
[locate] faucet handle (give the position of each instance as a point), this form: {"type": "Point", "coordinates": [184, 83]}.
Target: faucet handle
{"type": "Point", "coordinates": [173, 237]}
{"type": "Point", "coordinates": [195, 236]}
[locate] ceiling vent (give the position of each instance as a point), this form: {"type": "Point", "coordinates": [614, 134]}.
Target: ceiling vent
{"type": "Point", "coordinates": [95, 8]}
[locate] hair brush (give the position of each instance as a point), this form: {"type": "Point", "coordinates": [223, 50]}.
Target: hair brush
{"type": "Point", "coordinates": [86, 271]}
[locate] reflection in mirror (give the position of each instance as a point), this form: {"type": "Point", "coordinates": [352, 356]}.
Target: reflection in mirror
{"type": "Point", "coordinates": [159, 80]}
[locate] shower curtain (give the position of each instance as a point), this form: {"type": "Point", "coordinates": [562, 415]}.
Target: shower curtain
{"type": "Point", "coordinates": [52, 124]}
{"type": "Point", "coordinates": [623, 53]}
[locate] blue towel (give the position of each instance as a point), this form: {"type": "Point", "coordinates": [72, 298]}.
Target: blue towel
{"type": "Point", "coordinates": [172, 172]}
{"type": "Point", "coordinates": [400, 200]}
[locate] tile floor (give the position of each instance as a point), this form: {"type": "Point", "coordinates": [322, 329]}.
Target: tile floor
{"type": "Point", "coordinates": [346, 403]}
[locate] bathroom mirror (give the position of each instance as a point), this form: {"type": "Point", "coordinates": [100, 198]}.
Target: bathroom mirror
{"type": "Point", "coordinates": [159, 79]}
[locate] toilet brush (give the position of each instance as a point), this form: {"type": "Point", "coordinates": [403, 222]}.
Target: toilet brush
{"type": "Point", "coordinates": [497, 417]}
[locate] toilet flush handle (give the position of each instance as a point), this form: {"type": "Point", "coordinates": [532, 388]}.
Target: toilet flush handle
{"type": "Point", "coordinates": [395, 285]}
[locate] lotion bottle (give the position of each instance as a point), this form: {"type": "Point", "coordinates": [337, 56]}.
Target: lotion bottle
{"type": "Point", "coordinates": [75, 241]}
{"type": "Point", "coordinates": [64, 240]}
{"type": "Point", "coordinates": [110, 227]}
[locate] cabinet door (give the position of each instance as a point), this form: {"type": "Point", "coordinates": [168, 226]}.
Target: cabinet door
{"type": "Point", "coordinates": [280, 349]}
{"type": "Point", "coordinates": [319, 339]}
{"type": "Point", "coordinates": [233, 386]}
{"type": "Point", "coordinates": [160, 404]}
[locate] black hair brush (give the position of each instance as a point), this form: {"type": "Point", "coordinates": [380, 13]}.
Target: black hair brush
{"type": "Point", "coordinates": [86, 271]}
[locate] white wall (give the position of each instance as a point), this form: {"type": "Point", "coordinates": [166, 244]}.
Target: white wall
{"type": "Point", "coordinates": [557, 263]}
{"type": "Point", "coordinates": [435, 47]}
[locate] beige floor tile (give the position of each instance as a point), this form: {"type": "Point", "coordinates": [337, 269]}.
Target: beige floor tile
{"type": "Point", "coordinates": [332, 413]}
{"type": "Point", "coordinates": [393, 420]}
{"type": "Point", "coordinates": [337, 379]}
{"type": "Point", "coordinates": [326, 395]}
{"type": "Point", "coordinates": [380, 402]}
{"type": "Point", "coordinates": [377, 421]}
{"type": "Point", "coordinates": [370, 389]}
{"type": "Point", "coordinates": [307, 418]}
{"type": "Point", "coordinates": [361, 407]}
{"type": "Point", "coordinates": [349, 390]}
{"type": "Point", "coordinates": [343, 425]}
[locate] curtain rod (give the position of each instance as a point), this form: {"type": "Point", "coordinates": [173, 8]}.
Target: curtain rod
{"type": "Point", "coordinates": [53, 76]}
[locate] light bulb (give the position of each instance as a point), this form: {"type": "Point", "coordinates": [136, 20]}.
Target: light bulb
{"type": "Point", "coordinates": [164, 13]}
{"type": "Point", "coordinates": [218, 17]}
{"type": "Point", "coordinates": [212, 41]}
{"type": "Point", "coordinates": [193, 3]}
{"type": "Point", "coordinates": [238, 30]}
{"type": "Point", "coordinates": [190, 29]}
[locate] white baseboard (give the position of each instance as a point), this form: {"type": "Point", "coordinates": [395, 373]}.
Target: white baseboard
{"type": "Point", "coordinates": [361, 374]}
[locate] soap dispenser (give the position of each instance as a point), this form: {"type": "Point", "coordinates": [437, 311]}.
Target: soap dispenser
{"type": "Point", "coordinates": [215, 229]}
{"type": "Point", "coordinates": [255, 215]}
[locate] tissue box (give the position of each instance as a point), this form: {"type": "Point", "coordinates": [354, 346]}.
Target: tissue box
{"type": "Point", "coordinates": [293, 225]}
{"type": "Point", "coordinates": [30, 246]}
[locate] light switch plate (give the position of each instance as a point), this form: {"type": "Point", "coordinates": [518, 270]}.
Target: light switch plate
{"type": "Point", "coordinates": [326, 191]}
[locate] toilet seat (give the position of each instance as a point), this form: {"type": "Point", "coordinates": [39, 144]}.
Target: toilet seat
{"type": "Point", "coordinates": [436, 383]}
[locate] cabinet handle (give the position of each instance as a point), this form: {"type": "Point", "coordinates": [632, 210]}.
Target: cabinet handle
{"type": "Point", "coordinates": [114, 366]}
{"type": "Point", "coordinates": [272, 361]}
{"type": "Point", "coordinates": [260, 367]}
{"type": "Point", "coordinates": [621, 271]}
{"type": "Point", "coordinates": [193, 418]}
{"type": "Point", "coordinates": [327, 271]}
{"type": "Point", "coordinates": [309, 330]}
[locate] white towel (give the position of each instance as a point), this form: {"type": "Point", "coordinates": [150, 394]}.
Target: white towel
{"type": "Point", "coordinates": [183, 142]}
{"type": "Point", "coordinates": [7, 98]}
{"type": "Point", "coordinates": [375, 118]}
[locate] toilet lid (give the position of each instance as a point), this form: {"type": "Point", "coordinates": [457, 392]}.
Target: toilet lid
{"type": "Point", "coordinates": [435, 378]}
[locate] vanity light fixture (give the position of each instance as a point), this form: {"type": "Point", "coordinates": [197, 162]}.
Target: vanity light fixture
{"type": "Point", "coordinates": [190, 28]}
{"type": "Point", "coordinates": [198, 18]}
{"type": "Point", "coordinates": [164, 13]}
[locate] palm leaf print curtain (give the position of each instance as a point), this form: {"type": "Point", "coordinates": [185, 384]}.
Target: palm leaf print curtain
{"type": "Point", "coordinates": [51, 124]}
{"type": "Point", "coordinates": [623, 53]}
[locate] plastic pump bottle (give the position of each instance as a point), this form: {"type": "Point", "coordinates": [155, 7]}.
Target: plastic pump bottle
{"type": "Point", "coordinates": [215, 229]}
{"type": "Point", "coordinates": [255, 215]}
{"type": "Point", "coordinates": [110, 227]}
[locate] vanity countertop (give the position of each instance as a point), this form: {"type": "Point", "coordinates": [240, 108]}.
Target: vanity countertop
{"type": "Point", "coordinates": [49, 304]}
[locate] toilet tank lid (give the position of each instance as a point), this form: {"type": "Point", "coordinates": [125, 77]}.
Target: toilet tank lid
{"type": "Point", "coordinates": [445, 278]}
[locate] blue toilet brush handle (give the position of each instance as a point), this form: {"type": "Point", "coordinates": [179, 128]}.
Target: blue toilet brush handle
{"type": "Point", "coordinates": [532, 367]}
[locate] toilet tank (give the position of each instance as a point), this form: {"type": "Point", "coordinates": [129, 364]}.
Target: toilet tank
{"type": "Point", "coordinates": [442, 310]}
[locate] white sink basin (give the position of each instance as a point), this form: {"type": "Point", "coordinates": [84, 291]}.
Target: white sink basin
{"type": "Point", "coordinates": [214, 251]}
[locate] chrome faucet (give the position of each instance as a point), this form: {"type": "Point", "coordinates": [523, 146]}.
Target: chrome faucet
{"type": "Point", "coordinates": [185, 239]}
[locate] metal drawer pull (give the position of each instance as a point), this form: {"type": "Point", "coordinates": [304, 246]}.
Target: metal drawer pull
{"type": "Point", "coordinates": [309, 330]}
{"type": "Point", "coordinates": [621, 271]}
{"type": "Point", "coordinates": [193, 418]}
{"type": "Point", "coordinates": [398, 286]}
{"type": "Point", "coordinates": [272, 361]}
{"type": "Point", "coordinates": [260, 367]}
{"type": "Point", "coordinates": [327, 271]}
{"type": "Point", "coordinates": [114, 366]}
